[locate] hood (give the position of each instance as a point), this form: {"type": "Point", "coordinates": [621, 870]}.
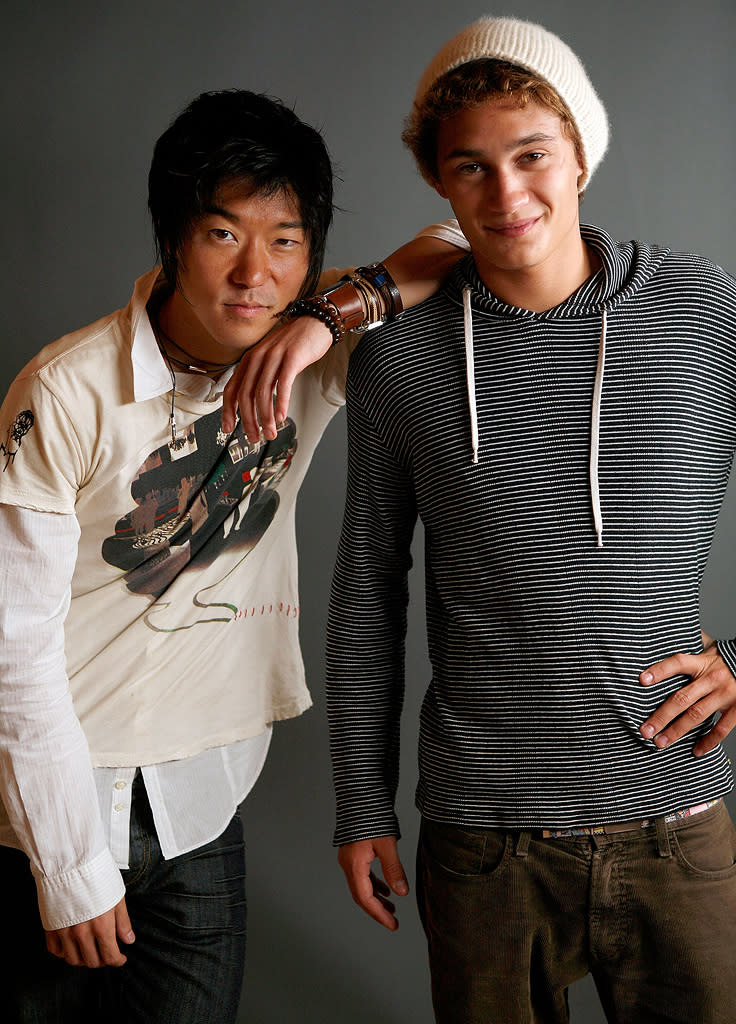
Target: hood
{"type": "Point", "coordinates": [625, 268]}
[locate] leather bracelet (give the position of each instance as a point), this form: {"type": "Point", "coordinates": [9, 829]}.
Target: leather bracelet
{"type": "Point", "coordinates": [348, 301]}
{"type": "Point", "coordinates": [379, 277]}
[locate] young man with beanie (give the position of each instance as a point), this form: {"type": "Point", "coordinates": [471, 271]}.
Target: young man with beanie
{"type": "Point", "coordinates": [562, 418]}
{"type": "Point", "coordinates": [142, 545]}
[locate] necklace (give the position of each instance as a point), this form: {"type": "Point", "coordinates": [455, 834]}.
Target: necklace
{"type": "Point", "coordinates": [172, 414]}
{"type": "Point", "coordinates": [195, 365]}
{"type": "Point", "coordinates": [160, 335]}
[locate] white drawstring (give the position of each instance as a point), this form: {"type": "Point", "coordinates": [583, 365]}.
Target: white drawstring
{"type": "Point", "coordinates": [470, 370]}
{"type": "Point", "coordinates": [595, 422]}
{"type": "Point", "coordinates": [595, 431]}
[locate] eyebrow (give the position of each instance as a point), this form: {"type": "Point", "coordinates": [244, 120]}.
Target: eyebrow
{"type": "Point", "coordinates": [222, 211]}
{"type": "Point", "coordinates": [526, 140]}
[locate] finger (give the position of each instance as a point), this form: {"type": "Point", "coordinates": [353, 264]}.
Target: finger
{"type": "Point", "coordinates": [394, 874]}
{"type": "Point", "coordinates": [676, 665]}
{"type": "Point", "coordinates": [70, 951]}
{"type": "Point", "coordinates": [264, 405]}
{"type": "Point", "coordinates": [393, 871]}
{"type": "Point", "coordinates": [230, 395]}
{"type": "Point", "coordinates": [381, 910]}
{"type": "Point", "coordinates": [379, 886]}
{"type": "Point", "coordinates": [388, 906]}
{"type": "Point", "coordinates": [238, 394]}
{"type": "Point", "coordinates": [53, 943]}
{"type": "Point", "coordinates": [229, 405]}
{"type": "Point", "coordinates": [672, 708]}
{"type": "Point", "coordinates": [123, 927]}
{"type": "Point", "coordinates": [110, 954]}
{"type": "Point", "coordinates": [717, 734]}
{"type": "Point", "coordinates": [283, 393]}
{"type": "Point", "coordinates": [360, 883]}
{"type": "Point", "coordinates": [692, 718]}
{"type": "Point", "coordinates": [247, 401]}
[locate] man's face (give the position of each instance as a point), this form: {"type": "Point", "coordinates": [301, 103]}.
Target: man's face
{"type": "Point", "coordinates": [511, 177]}
{"type": "Point", "coordinates": [241, 264]}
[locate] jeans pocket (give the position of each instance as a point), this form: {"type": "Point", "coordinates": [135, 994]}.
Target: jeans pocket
{"type": "Point", "coordinates": [464, 852]}
{"type": "Point", "coordinates": [707, 848]}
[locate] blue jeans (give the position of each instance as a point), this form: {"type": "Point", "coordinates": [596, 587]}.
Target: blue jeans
{"type": "Point", "coordinates": [186, 965]}
{"type": "Point", "coordinates": [512, 919]}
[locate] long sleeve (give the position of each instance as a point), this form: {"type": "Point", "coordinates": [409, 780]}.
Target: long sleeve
{"type": "Point", "coordinates": [367, 626]}
{"type": "Point", "coordinates": [46, 779]}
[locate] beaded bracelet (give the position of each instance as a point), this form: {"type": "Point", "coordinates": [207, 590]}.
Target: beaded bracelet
{"type": "Point", "coordinates": [320, 308]}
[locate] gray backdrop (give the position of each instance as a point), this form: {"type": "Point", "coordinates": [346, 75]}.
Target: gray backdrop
{"type": "Point", "coordinates": [88, 86]}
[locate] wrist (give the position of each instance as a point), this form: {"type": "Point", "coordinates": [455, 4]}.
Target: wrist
{"type": "Point", "coordinates": [367, 298]}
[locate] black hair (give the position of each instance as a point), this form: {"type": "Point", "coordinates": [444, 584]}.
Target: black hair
{"type": "Point", "coordinates": [237, 136]}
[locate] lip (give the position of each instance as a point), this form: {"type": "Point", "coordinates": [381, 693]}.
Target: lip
{"type": "Point", "coordinates": [516, 229]}
{"type": "Point", "coordinates": [245, 310]}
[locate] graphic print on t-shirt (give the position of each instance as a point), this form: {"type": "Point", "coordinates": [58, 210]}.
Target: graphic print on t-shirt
{"type": "Point", "coordinates": [17, 430]}
{"type": "Point", "coordinates": [196, 497]}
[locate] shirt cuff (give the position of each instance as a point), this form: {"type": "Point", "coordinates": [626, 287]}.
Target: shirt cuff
{"type": "Point", "coordinates": [80, 895]}
{"type": "Point", "coordinates": [727, 650]}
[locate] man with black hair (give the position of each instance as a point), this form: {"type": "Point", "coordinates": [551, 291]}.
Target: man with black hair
{"type": "Point", "coordinates": [142, 544]}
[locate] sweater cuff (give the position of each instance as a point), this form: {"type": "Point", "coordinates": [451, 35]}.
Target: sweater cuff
{"type": "Point", "coordinates": [353, 827]}
{"type": "Point", "coordinates": [727, 650]}
{"type": "Point", "coordinates": [80, 895]}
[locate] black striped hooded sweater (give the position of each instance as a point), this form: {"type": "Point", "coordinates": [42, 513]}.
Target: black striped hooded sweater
{"type": "Point", "coordinates": [559, 565]}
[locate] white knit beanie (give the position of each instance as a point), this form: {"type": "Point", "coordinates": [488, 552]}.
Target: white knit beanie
{"type": "Point", "coordinates": [534, 48]}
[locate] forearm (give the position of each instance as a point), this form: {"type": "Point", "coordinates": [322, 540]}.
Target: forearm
{"type": "Point", "coordinates": [261, 385]}
{"type": "Point", "coordinates": [366, 629]}
{"type": "Point", "coordinates": [420, 266]}
{"type": "Point", "coordinates": [46, 779]}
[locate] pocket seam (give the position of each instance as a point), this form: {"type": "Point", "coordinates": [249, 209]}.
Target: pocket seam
{"type": "Point", "coordinates": [715, 873]}
{"type": "Point", "coordinates": [476, 875]}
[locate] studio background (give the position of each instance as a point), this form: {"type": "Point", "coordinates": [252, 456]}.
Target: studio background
{"type": "Point", "coordinates": [87, 89]}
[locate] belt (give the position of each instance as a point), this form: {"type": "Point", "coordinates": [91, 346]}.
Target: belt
{"type": "Point", "coordinates": [626, 826]}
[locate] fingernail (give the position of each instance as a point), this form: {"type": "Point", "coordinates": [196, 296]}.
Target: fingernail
{"type": "Point", "coordinates": [401, 888]}
{"type": "Point", "coordinates": [647, 731]}
{"type": "Point", "coordinates": [647, 677]}
{"type": "Point", "coordinates": [661, 741]}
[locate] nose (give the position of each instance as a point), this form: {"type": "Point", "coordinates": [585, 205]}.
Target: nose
{"type": "Point", "coordinates": [506, 191]}
{"type": "Point", "coordinates": [250, 268]}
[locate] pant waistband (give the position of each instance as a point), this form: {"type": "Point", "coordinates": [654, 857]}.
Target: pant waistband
{"type": "Point", "coordinates": [626, 826]}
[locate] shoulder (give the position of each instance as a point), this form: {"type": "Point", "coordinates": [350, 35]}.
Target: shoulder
{"type": "Point", "coordinates": [408, 340]}
{"type": "Point", "coordinates": [93, 352]}
{"type": "Point", "coordinates": [693, 272]}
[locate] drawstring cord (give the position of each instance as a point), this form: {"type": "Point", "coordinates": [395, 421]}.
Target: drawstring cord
{"type": "Point", "coordinates": [595, 421]}
{"type": "Point", "coordinates": [470, 370]}
{"type": "Point", "coordinates": [595, 434]}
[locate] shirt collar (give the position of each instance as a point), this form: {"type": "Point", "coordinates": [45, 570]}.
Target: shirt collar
{"type": "Point", "coordinates": [151, 375]}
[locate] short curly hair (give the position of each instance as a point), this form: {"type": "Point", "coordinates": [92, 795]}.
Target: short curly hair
{"type": "Point", "coordinates": [470, 85]}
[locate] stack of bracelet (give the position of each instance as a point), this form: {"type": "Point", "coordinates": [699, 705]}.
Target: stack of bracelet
{"type": "Point", "coordinates": [358, 301]}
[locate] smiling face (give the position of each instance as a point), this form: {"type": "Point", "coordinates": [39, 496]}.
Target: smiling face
{"type": "Point", "coordinates": [241, 264]}
{"type": "Point", "coordinates": [511, 176]}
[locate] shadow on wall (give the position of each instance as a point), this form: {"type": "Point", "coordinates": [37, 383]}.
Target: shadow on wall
{"type": "Point", "coordinates": [303, 971]}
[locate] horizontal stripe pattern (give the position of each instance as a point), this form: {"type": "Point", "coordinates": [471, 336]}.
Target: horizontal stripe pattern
{"type": "Point", "coordinates": [536, 636]}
